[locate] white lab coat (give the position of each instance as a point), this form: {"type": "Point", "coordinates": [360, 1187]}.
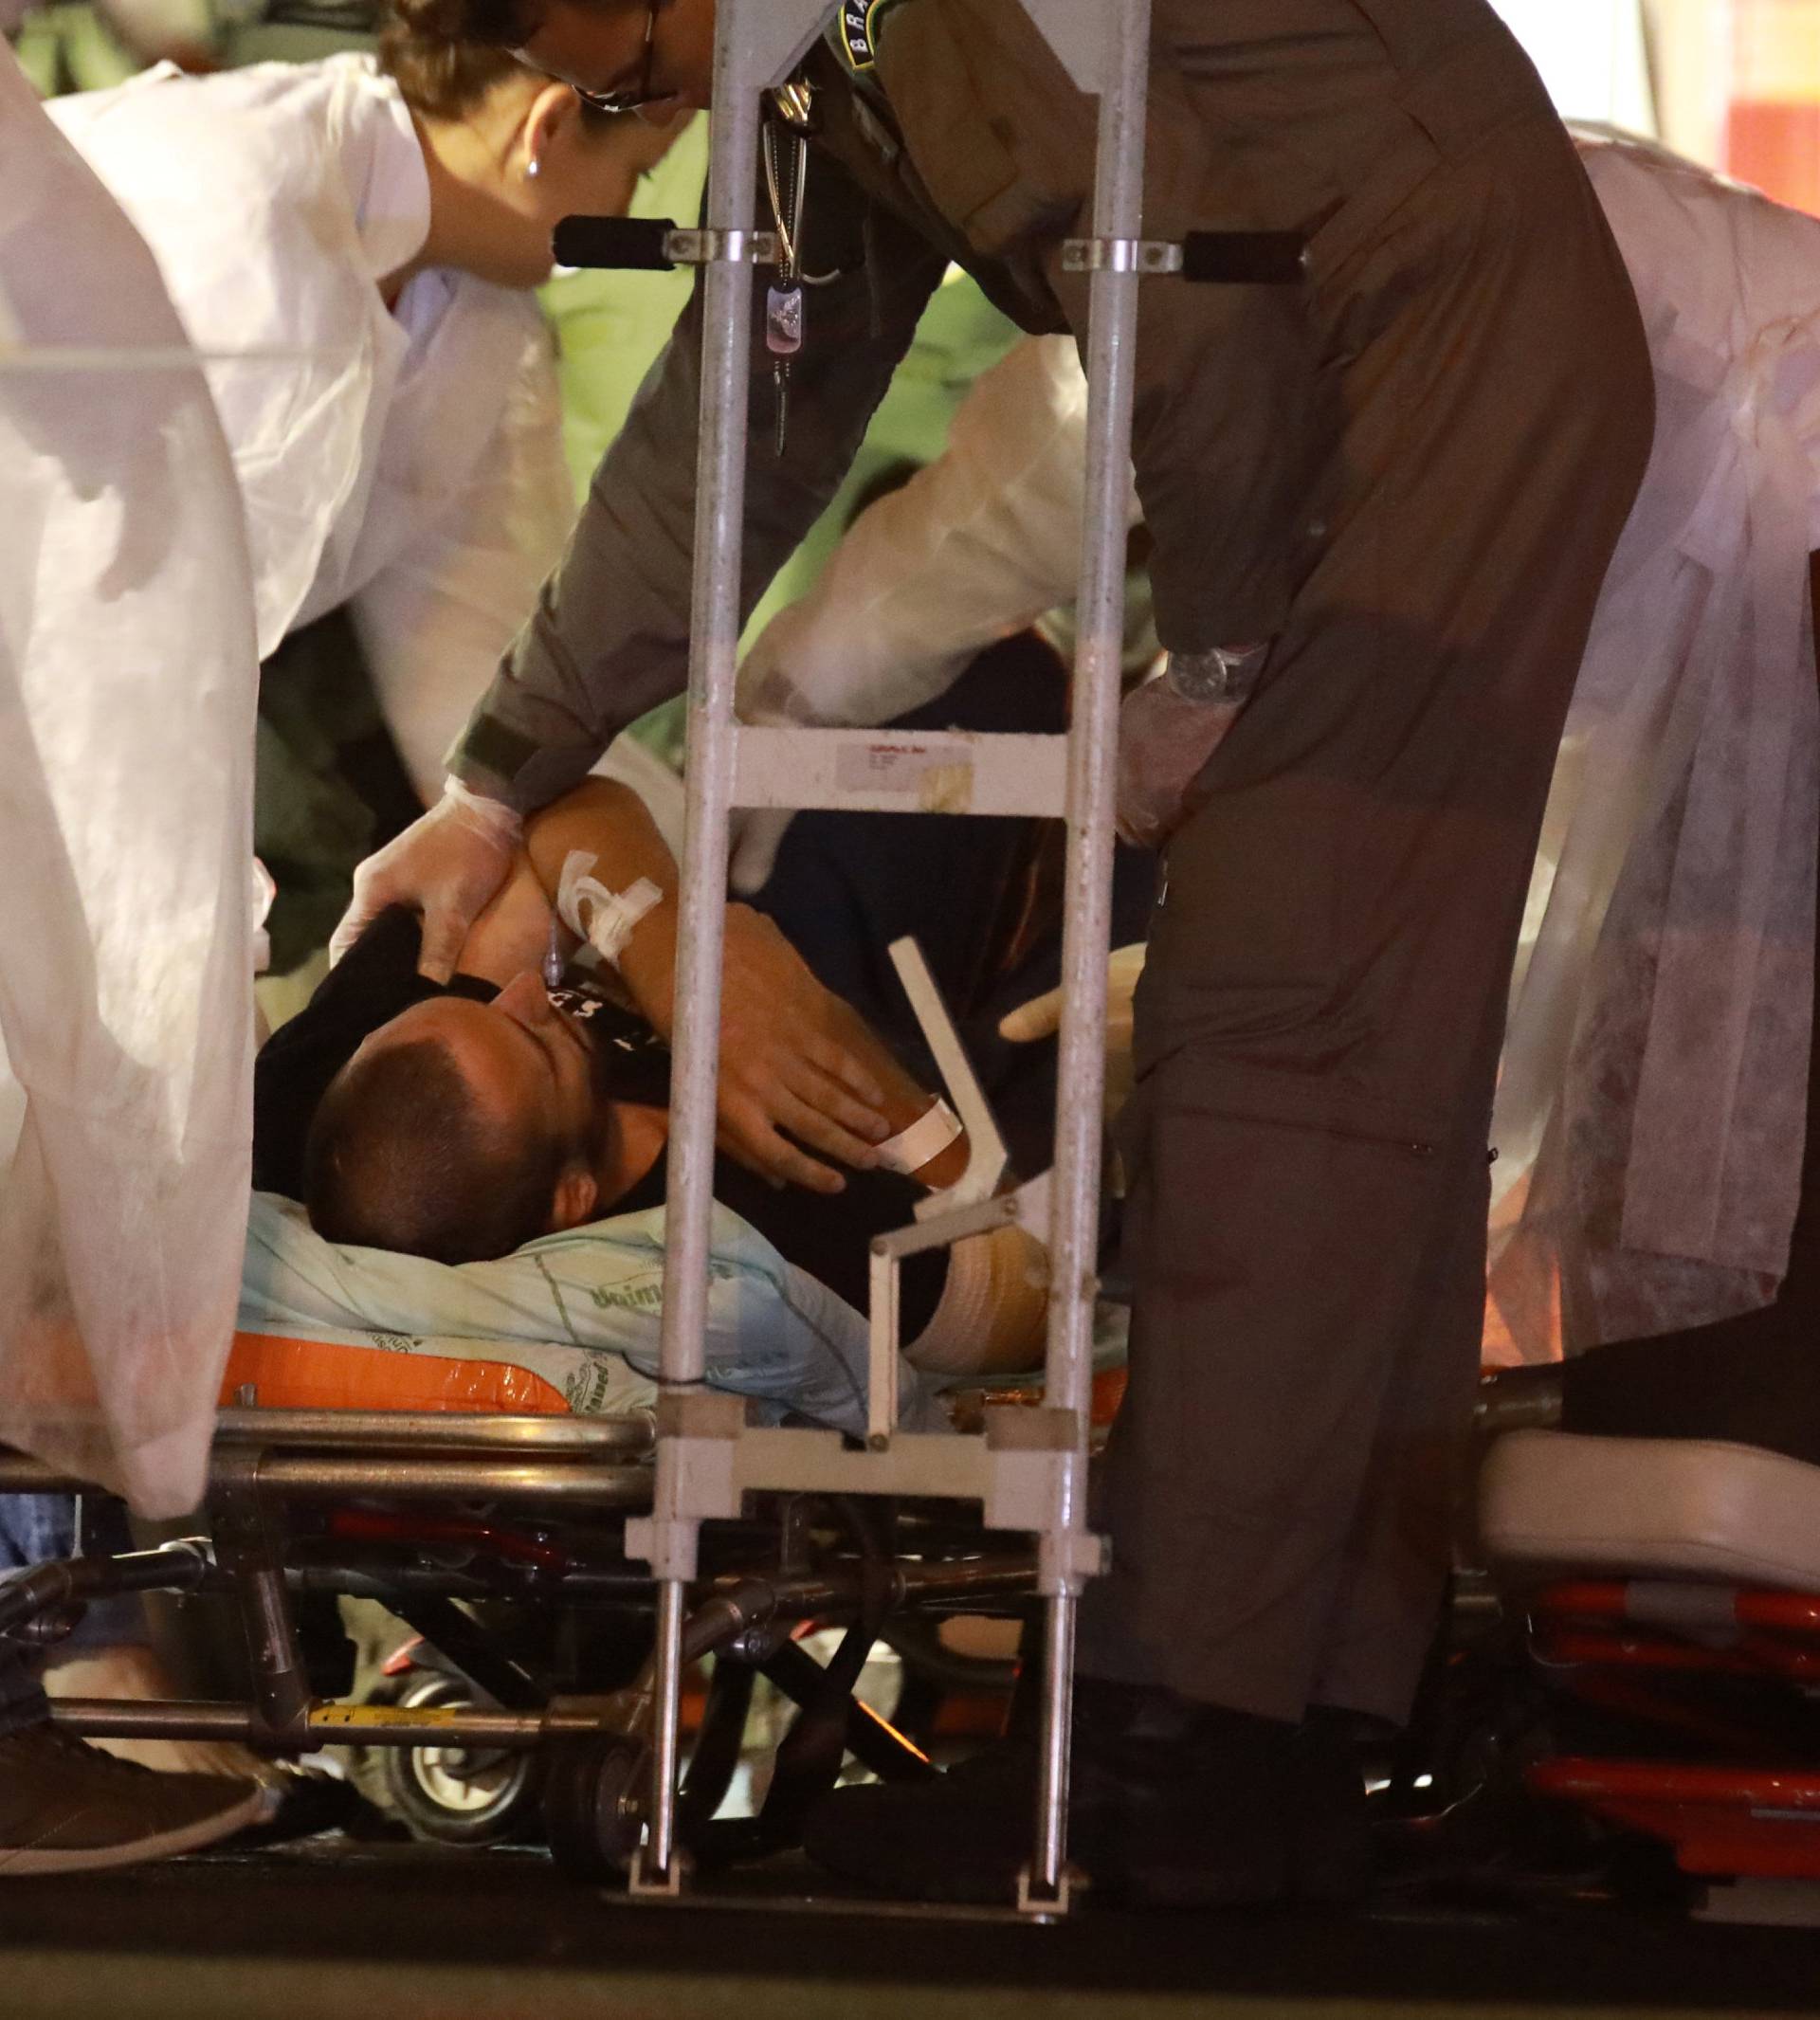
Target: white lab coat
{"type": "Point", "coordinates": [127, 665]}
{"type": "Point", "coordinates": [1650, 1116]}
{"type": "Point", "coordinates": [408, 463]}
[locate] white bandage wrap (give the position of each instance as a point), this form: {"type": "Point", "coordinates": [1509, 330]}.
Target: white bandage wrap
{"type": "Point", "coordinates": [993, 1310]}
{"type": "Point", "coordinates": [953, 1340]}
{"type": "Point", "coordinates": [592, 913]}
{"type": "Point", "coordinates": [926, 1137]}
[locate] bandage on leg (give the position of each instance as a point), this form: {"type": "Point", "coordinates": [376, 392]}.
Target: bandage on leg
{"type": "Point", "coordinates": [994, 1308]}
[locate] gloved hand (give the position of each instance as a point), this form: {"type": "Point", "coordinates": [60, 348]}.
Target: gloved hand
{"type": "Point", "coordinates": [1041, 1018]}
{"type": "Point", "coordinates": [446, 864]}
{"type": "Point", "coordinates": [766, 698]}
{"type": "Point", "coordinates": [1164, 740]}
{"type": "Point", "coordinates": [758, 833]}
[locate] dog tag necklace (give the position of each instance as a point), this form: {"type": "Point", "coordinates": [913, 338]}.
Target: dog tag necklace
{"type": "Point", "coordinates": [786, 172]}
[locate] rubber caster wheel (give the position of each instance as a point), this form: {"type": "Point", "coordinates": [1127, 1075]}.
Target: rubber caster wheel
{"type": "Point", "coordinates": [594, 1795]}
{"type": "Point", "coordinates": [457, 1794]}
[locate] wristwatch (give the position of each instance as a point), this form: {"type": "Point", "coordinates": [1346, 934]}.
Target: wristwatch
{"type": "Point", "coordinates": [1221, 673]}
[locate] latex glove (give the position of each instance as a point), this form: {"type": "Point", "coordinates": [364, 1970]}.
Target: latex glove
{"type": "Point", "coordinates": [1164, 740]}
{"type": "Point", "coordinates": [766, 699]}
{"type": "Point", "coordinates": [446, 864]}
{"type": "Point", "coordinates": [759, 835]}
{"type": "Point", "coordinates": [1041, 1018]}
{"type": "Point", "coordinates": [793, 1055]}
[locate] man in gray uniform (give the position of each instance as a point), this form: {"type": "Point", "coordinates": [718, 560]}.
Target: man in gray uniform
{"type": "Point", "coordinates": [1403, 480]}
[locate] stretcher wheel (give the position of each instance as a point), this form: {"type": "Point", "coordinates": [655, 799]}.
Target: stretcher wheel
{"type": "Point", "coordinates": [456, 1795]}
{"type": "Point", "coordinates": [594, 1794]}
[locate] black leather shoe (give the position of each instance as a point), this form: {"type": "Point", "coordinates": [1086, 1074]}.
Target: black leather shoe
{"type": "Point", "coordinates": [1172, 1805]}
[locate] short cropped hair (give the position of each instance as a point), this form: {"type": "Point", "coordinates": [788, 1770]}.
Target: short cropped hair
{"type": "Point", "coordinates": [401, 1156]}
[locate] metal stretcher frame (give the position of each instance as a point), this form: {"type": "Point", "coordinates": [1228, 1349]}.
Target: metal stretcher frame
{"type": "Point", "coordinates": [1028, 1472]}
{"type": "Point", "coordinates": [1031, 1473]}
{"type": "Point", "coordinates": [555, 1492]}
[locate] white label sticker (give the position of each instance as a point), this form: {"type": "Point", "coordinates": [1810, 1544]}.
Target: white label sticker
{"type": "Point", "coordinates": [937, 774]}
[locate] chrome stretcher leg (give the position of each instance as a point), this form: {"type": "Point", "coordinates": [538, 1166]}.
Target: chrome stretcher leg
{"type": "Point", "coordinates": [1069, 1554]}
{"type": "Point", "coordinates": [754, 42]}
{"type": "Point", "coordinates": [721, 504]}
{"type": "Point", "coordinates": [659, 1866]}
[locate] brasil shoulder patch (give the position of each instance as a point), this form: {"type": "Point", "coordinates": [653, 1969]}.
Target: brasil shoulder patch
{"type": "Point", "coordinates": [855, 31]}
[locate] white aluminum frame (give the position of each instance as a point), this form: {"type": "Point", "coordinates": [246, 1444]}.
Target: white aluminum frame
{"type": "Point", "coordinates": [1029, 1472]}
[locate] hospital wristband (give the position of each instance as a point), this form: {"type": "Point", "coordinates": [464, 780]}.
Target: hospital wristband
{"type": "Point", "coordinates": [925, 1139]}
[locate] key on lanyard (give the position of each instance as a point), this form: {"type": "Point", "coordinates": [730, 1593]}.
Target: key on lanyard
{"type": "Point", "coordinates": [786, 172]}
{"type": "Point", "coordinates": [783, 339]}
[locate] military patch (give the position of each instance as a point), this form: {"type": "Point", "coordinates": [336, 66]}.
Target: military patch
{"type": "Point", "coordinates": [855, 32]}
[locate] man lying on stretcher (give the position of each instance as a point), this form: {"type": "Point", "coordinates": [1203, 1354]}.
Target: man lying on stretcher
{"type": "Point", "coordinates": [460, 1123]}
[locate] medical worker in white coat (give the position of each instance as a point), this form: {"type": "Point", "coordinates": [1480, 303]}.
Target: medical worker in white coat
{"type": "Point", "coordinates": [348, 245]}
{"type": "Point", "coordinates": [353, 243]}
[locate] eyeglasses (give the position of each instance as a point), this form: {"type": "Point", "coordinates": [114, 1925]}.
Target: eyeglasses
{"type": "Point", "coordinates": [629, 98]}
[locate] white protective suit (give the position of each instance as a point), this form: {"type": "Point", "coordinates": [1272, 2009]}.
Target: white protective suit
{"type": "Point", "coordinates": [410, 464]}
{"type": "Point", "coordinates": [979, 545]}
{"type": "Point", "coordinates": [1650, 1112]}
{"type": "Point", "coordinates": [126, 739]}
{"type": "Point", "coordinates": [1650, 1116]}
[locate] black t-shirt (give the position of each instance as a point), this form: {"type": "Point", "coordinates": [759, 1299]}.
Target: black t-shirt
{"type": "Point", "coordinates": [830, 1237]}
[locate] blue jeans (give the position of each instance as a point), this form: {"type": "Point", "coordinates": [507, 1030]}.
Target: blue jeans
{"type": "Point", "coordinates": [36, 1528]}
{"type": "Point", "coordinates": [32, 1528]}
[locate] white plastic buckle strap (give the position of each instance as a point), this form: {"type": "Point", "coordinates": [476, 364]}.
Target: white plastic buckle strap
{"type": "Point", "coordinates": [926, 1137]}
{"type": "Point", "coordinates": [592, 913]}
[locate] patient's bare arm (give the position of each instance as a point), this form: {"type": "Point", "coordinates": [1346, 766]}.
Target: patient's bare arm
{"type": "Point", "coordinates": [793, 1056]}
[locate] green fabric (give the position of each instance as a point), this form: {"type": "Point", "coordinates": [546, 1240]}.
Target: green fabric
{"type": "Point", "coordinates": [68, 48]}
{"type": "Point", "coordinates": [612, 326]}
{"type": "Point", "coordinates": [290, 42]}
{"type": "Point", "coordinates": [328, 786]}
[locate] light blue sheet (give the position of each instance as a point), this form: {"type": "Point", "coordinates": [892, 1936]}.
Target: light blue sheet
{"type": "Point", "coordinates": [582, 1310]}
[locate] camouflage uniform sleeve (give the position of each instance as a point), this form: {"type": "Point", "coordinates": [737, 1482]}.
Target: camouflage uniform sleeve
{"type": "Point", "coordinates": [608, 638]}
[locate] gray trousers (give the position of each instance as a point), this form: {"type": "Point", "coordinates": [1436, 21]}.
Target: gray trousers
{"type": "Point", "coordinates": [1318, 1025]}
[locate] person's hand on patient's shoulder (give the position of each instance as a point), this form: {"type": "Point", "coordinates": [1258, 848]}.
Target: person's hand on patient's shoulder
{"type": "Point", "coordinates": [445, 865]}
{"type": "Point", "coordinates": [1040, 1017]}
{"type": "Point", "coordinates": [793, 1056]}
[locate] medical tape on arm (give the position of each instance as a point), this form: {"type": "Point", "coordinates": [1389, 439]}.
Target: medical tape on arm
{"type": "Point", "coordinates": [592, 913]}
{"type": "Point", "coordinates": [926, 1137]}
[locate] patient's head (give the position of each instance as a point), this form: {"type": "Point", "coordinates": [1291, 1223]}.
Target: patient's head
{"type": "Point", "coordinates": [461, 1130]}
